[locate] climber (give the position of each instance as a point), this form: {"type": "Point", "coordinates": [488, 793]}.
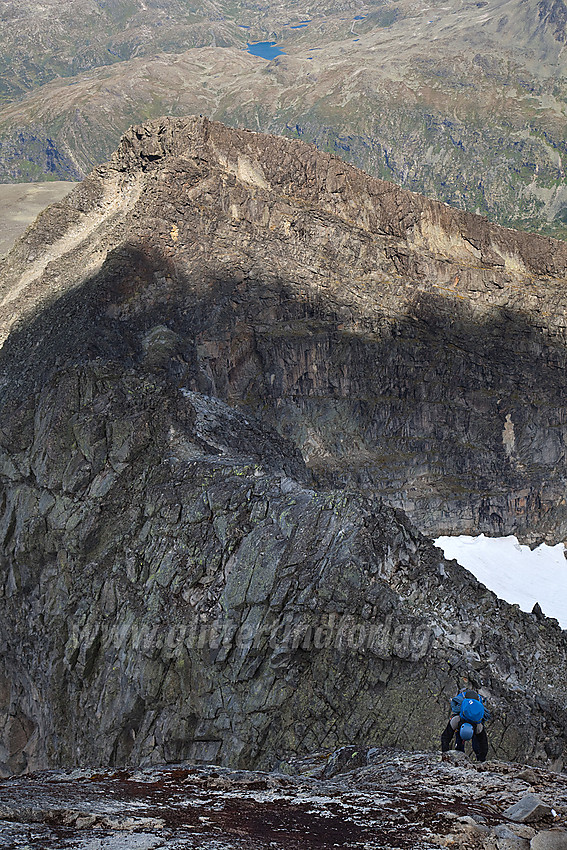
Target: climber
{"type": "Point", "coordinates": [467, 712]}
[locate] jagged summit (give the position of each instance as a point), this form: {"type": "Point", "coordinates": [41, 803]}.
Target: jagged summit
{"type": "Point", "coordinates": [414, 235]}
{"type": "Point", "coordinates": [161, 169]}
{"type": "Point", "coordinates": [223, 354]}
{"type": "Point", "coordinates": [404, 345]}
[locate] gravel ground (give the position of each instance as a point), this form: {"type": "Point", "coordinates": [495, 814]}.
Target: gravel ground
{"type": "Point", "coordinates": [397, 800]}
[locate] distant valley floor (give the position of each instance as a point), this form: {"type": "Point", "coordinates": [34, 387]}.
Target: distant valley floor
{"type": "Point", "coordinates": [21, 203]}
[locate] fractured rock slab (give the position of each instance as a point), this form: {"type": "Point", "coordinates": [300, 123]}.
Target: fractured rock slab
{"type": "Point", "coordinates": [508, 840]}
{"type": "Point", "coordinates": [528, 810]}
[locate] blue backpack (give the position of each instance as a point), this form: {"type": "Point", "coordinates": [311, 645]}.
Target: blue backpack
{"type": "Point", "coordinates": [472, 709]}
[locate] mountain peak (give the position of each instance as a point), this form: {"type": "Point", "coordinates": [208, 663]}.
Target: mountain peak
{"type": "Point", "coordinates": [272, 234]}
{"type": "Point", "coordinates": [163, 167]}
{"type": "Point", "coordinates": [227, 358]}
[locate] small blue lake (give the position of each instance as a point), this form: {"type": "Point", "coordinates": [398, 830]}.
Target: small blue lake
{"type": "Point", "coordinates": [266, 49]}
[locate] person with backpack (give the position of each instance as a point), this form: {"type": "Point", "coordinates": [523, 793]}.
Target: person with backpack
{"type": "Point", "coordinates": [467, 713]}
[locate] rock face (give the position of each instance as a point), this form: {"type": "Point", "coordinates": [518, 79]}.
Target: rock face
{"type": "Point", "coordinates": [403, 346]}
{"type": "Point", "coordinates": [176, 583]}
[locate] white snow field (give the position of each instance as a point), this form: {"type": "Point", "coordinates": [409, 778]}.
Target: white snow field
{"type": "Point", "coordinates": [514, 572]}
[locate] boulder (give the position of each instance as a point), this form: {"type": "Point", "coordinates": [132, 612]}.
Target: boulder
{"type": "Point", "coordinates": [508, 840]}
{"type": "Point", "coordinates": [528, 810]}
{"type": "Point", "coordinates": [550, 839]}
{"type": "Point", "coordinates": [343, 759]}
{"type": "Point", "coordinates": [455, 757]}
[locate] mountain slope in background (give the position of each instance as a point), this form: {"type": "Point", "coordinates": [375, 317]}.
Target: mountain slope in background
{"type": "Point", "coordinates": [21, 203]}
{"type": "Point", "coordinates": [465, 101]}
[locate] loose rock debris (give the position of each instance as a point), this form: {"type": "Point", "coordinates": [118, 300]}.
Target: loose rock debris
{"type": "Point", "coordinates": [396, 800]}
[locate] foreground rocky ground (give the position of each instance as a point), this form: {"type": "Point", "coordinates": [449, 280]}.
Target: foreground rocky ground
{"type": "Point", "coordinates": [393, 799]}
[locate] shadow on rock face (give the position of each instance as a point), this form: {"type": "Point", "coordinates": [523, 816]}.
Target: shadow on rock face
{"type": "Point", "coordinates": [176, 585]}
{"type": "Point", "coordinates": [455, 419]}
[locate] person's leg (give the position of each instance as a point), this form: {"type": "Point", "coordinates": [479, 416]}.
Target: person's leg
{"type": "Point", "coordinates": [480, 744]}
{"type": "Point", "coordinates": [459, 743]}
{"type": "Point", "coordinates": [446, 738]}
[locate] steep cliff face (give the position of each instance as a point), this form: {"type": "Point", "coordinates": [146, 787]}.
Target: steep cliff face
{"type": "Point", "coordinates": [402, 345]}
{"type": "Point", "coordinates": [176, 582]}
{"type": "Point", "coordinates": [173, 588]}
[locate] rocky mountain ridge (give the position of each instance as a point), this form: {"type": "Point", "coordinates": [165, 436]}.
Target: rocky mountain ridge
{"type": "Point", "coordinates": [392, 302]}
{"type": "Point", "coordinates": [180, 333]}
{"type": "Point", "coordinates": [401, 90]}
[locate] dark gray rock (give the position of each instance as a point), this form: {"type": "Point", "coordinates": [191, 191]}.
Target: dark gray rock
{"type": "Point", "coordinates": [507, 840]}
{"type": "Point", "coordinates": [550, 839]}
{"type": "Point", "coordinates": [455, 757]}
{"type": "Point", "coordinates": [528, 810]}
{"type": "Point", "coordinates": [513, 842]}
{"type": "Point", "coordinates": [344, 759]}
{"type": "Point", "coordinates": [175, 582]}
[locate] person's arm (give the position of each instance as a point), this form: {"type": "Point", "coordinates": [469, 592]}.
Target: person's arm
{"type": "Point", "coordinates": [456, 703]}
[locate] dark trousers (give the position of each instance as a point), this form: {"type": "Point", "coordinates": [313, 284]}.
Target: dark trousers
{"type": "Point", "coordinates": [479, 742]}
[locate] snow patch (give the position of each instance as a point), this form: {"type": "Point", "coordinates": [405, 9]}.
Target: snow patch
{"type": "Point", "coordinates": [515, 572]}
